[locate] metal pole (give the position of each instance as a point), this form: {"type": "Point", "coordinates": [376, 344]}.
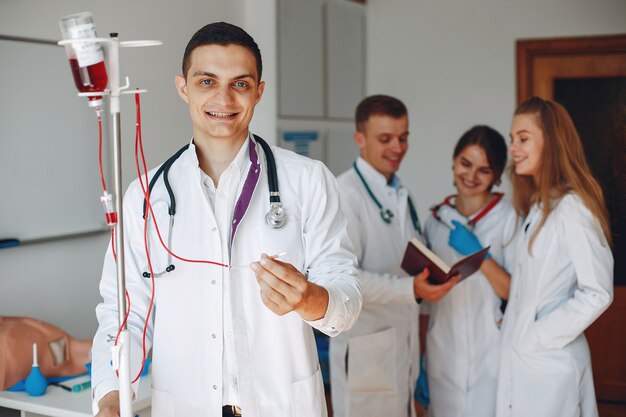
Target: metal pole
{"type": "Point", "coordinates": [116, 139]}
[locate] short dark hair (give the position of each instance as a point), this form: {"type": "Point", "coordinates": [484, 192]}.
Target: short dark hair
{"type": "Point", "coordinates": [380, 105]}
{"type": "Point", "coordinates": [490, 141]}
{"type": "Point", "coordinates": [224, 34]}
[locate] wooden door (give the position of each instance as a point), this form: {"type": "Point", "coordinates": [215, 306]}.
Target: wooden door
{"type": "Point", "coordinates": [588, 76]}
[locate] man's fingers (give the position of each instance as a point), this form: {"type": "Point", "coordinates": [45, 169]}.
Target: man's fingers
{"type": "Point", "coordinates": [271, 280]}
{"type": "Point", "coordinates": [423, 276]}
{"type": "Point", "coordinates": [279, 269]}
{"type": "Point", "coordinates": [282, 286]}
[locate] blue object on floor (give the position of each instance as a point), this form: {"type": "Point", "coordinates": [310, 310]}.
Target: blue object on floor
{"type": "Point", "coordinates": [421, 388]}
{"type": "Point", "coordinates": [321, 340]}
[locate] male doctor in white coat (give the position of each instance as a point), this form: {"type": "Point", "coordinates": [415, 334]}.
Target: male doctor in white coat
{"type": "Point", "coordinates": [374, 367]}
{"type": "Point", "coordinates": [238, 340]}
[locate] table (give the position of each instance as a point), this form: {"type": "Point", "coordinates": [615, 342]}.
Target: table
{"type": "Point", "coordinates": [57, 402]}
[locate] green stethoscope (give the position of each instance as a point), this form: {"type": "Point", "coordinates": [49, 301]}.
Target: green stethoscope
{"type": "Point", "coordinates": [386, 214]}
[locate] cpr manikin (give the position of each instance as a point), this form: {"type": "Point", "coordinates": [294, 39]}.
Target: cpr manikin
{"type": "Point", "coordinates": [59, 354]}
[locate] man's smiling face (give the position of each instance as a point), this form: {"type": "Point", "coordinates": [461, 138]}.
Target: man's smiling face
{"type": "Point", "coordinates": [221, 88]}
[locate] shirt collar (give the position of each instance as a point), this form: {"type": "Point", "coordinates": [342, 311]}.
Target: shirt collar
{"type": "Point", "coordinates": [240, 163]}
{"type": "Point", "coordinates": [372, 176]}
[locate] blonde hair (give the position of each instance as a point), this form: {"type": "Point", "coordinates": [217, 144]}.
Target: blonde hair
{"type": "Point", "coordinates": [563, 168]}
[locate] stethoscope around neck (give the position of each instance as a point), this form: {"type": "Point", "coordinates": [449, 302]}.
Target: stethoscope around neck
{"type": "Point", "coordinates": [386, 214]}
{"type": "Point", "coordinates": [471, 223]}
{"type": "Point", "coordinates": [275, 217]}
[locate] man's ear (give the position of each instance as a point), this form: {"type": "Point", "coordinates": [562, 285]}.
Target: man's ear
{"type": "Point", "coordinates": [259, 91]}
{"type": "Point", "coordinates": [359, 138]}
{"type": "Point", "coordinates": [181, 88]}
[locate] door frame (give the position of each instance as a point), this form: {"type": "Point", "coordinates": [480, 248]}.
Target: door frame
{"type": "Point", "coordinates": [529, 50]}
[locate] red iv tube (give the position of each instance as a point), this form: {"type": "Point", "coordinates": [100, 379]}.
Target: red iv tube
{"type": "Point", "coordinates": [86, 58]}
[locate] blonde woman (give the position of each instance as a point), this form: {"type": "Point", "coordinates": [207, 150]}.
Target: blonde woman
{"type": "Point", "coordinates": [563, 277]}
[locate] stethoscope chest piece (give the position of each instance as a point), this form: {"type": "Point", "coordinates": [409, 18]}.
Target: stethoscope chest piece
{"type": "Point", "coordinates": [386, 215]}
{"type": "Point", "coordinates": [276, 217]}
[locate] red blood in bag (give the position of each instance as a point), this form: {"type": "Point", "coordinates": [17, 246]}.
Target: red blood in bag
{"type": "Point", "coordinates": [90, 79]}
{"type": "Point", "coordinates": [111, 218]}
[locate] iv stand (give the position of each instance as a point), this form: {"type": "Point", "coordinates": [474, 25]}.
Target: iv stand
{"type": "Point", "coordinates": [120, 352]}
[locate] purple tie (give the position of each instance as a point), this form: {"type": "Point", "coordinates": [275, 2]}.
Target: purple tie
{"type": "Point", "coordinates": [246, 192]}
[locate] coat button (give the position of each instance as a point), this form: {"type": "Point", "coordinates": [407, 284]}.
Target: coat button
{"type": "Point", "coordinates": [213, 335]}
{"type": "Point", "coordinates": [214, 386]}
{"type": "Point", "coordinates": [213, 282]}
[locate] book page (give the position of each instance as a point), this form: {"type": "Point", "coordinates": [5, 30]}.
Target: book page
{"type": "Point", "coordinates": [431, 255]}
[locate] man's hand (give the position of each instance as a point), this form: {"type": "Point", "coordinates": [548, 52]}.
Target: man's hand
{"type": "Point", "coordinates": [109, 405]}
{"type": "Point", "coordinates": [285, 289]}
{"type": "Point", "coordinates": [429, 292]}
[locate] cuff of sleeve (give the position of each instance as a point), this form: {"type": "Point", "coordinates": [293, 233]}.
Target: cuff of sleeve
{"type": "Point", "coordinates": [408, 290]}
{"type": "Point", "coordinates": [333, 321]}
{"type": "Point", "coordinates": [102, 389]}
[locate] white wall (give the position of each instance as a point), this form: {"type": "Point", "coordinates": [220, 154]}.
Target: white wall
{"type": "Point", "coordinates": [451, 61]}
{"type": "Point", "coordinates": [453, 64]}
{"type": "Point", "coordinates": [57, 281]}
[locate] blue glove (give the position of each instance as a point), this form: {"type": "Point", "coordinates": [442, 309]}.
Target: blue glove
{"type": "Point", "coordinates": [463, 240]}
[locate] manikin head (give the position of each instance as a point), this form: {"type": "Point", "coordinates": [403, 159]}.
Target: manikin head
{"type": "Point", "coordinates": [58, 353]}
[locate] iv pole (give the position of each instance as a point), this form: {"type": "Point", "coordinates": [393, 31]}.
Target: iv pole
{"type": "Point", "coordinates": [120, 352]}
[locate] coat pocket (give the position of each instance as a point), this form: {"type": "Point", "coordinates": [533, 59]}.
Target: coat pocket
{"type": "Point", "coordinates": [372, 362]}
{"type": "Point", "coordinates": [162, 404]}
{"type": "Point", "coordinates": [307, 397]}
{"type": "Point", "coordinates": [287, 241]}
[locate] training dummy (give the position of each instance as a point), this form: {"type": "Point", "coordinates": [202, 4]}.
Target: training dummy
{"type": "Point", "coordinates": [59, 354]}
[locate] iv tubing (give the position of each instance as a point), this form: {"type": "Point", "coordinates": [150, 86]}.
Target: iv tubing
{"type": "Point", "coordinates": [146, 191]}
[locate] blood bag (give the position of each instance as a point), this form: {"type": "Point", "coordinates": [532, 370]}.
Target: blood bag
{"type": "Point", "coordinates": [86, 58]}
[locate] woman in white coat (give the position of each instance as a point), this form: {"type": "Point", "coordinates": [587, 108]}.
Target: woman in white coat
{"type": "Point", "coordinates": [462, 342]}
{"type": "Point", "coordinates": [563, 277]}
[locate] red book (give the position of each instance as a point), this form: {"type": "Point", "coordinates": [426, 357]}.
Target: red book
{"type": "Point", "coordinates": [417, 257]}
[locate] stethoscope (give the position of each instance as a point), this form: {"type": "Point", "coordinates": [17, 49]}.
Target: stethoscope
{"type": "Point", "coordinates": [275, 217]}
{"type": "Point", "coordinates": [386, 214]}
{"type": "Point", "coordinates": [471, 223]}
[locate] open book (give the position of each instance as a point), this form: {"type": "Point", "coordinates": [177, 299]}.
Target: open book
{"type": "Point", "coordinates": [417, 257]}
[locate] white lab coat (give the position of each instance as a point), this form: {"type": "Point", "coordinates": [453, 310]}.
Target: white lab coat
{"type": "Point", "coordinates": [277, 361]}
{"type": "Point", "coordinates": [382, 349]}
{"type": "Point", "coordinates": [557, 292]}
{"type": "Point", "coordinates": [463, 338]}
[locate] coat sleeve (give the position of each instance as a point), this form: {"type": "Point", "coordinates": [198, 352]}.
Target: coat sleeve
{"type": "Point", "coordinates": [377, 287]}
{"type": "Point", "coordinates": [510, 226]}
{"type": "Point", "coordinates": [329, 255]}
{"type": "Point", "coordinates": [139, 289]}
{"type": "Point", "coordinates": [591, 258]}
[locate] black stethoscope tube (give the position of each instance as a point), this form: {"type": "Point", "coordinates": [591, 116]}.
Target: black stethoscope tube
{"type": "Point", "coordinates": [165, 169]}
{"type": "Point", "coordinates": [275, 218]}
{"type": "Point", "coordinates": [272, 177]}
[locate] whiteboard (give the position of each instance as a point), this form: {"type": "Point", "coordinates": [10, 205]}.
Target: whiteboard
{"type": "Point", "coordinates": [50, 184]}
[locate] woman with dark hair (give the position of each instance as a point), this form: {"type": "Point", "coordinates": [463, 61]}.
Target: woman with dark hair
{"type": "Point", "coordinates": [462, 343]}
{"type": "Point", "coordinates": [563, 276]}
